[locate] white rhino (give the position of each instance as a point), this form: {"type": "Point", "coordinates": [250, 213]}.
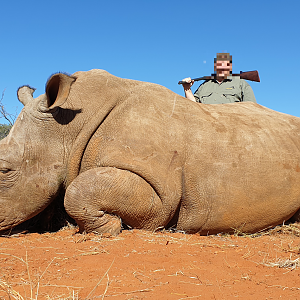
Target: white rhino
{"type": "Point", "coordinates": [136, 153]}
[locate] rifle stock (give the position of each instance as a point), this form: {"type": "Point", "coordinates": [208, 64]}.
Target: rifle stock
{"type": "Point", "coordinates": [250, 75]}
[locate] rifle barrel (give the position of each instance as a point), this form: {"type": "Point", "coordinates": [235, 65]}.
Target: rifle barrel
{"type": "Point", "coordinates": [250, 75]}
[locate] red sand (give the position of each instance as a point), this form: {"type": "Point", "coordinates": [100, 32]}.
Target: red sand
{"type": "Point", "coordinates": [143, 265]}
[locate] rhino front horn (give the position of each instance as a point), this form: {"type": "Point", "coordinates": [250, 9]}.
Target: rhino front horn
{"type": "Point", "coordinates": [25, 94]}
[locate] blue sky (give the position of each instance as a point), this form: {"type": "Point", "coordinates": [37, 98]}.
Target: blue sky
{"type": "Point", "coordinates": [155, 41]}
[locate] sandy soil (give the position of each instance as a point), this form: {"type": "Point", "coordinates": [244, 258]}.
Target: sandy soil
{"type": "Point", "coordinates": [143, 265]}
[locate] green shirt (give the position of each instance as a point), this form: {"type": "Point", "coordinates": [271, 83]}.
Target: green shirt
{"type": "Point", "coordinates": [232, 89]}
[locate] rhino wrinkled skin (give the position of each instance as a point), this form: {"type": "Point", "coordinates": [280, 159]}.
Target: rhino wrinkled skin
{"type": "Point", "coordinates": [136, 153]}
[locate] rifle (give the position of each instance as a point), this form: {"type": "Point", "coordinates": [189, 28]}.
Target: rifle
{"type": "Point", "coordinates": [251, 75]}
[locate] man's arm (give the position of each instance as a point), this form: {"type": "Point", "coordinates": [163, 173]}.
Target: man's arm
{"type": "Point", "coordinates": [248, 95]}
{"type": "Point", "coordinates": [187, 89]}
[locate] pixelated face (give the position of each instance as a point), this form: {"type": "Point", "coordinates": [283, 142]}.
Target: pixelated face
{"type": "Point", "coordinates": [223, 68]}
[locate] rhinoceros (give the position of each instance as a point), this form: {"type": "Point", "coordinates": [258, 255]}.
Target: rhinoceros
{"type": "Point", "coordinates": [136, 153]}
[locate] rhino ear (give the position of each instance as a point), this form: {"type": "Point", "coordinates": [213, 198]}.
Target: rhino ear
{"type": "Point", "coordinates": [57, 89]}
{"type": "Point", "coordinates": [25, 94]}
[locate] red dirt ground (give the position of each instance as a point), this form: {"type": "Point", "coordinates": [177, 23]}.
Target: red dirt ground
{"type": "Point", "coordinates": [144, 265]}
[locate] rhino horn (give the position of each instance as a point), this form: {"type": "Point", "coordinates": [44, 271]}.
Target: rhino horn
{"type": "Point", "coordinates": [57, 89]}
{"type": "Point", "coordinates": [25, 94]}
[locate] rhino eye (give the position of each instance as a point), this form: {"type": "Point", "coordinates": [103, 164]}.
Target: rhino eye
{"type": "Point", "coordinates": [5, 171]}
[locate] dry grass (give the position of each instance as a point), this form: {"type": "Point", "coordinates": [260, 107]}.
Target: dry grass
{"type": "Point", "coordinates": [35, 286]}
{"type": "Point", "coordinates": [9, 291]}
{"type": "Point", "coordinates": [285, 263]}
{"type": "Point", "coordinates": [69, 226]}
{"type": "Point", "coordinates": [12, 294]}
{"type": "Point", "coordinates": [289, 229]}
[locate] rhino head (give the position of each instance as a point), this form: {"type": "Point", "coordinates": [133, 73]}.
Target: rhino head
{"type": "Point", "coordinates": [33, 157]}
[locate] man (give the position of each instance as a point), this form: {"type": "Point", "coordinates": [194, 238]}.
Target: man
{"type": "Point", "coordinates": [224, 88]}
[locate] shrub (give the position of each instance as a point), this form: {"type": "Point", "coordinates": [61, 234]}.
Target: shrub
{"type": "Point", "coordinates": [4, 130]}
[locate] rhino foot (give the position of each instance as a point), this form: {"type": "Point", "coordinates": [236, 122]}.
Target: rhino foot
{"type": "Point", "coordinates": [107, 223]}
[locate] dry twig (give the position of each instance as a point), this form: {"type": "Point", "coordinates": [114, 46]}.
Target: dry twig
{"type": "Point", "coordinates": [92, 291]}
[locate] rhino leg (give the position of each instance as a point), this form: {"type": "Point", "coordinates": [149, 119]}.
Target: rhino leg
{"type": "Point", "coordinates": [98, 199]}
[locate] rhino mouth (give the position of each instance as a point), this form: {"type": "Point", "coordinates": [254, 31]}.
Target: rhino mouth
{"type": "Point", "coordinates": [7, 224]}
{"type": "Point", "coordinates": [50, 219]}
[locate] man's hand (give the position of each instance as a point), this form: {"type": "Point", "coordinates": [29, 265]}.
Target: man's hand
{"type": "Point", "coordinates": [188, 83]}
{"type": "Point", "coordinates": [187, 88]}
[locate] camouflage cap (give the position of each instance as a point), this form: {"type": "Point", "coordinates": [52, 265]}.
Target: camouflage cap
{"type": "Point", "coordinates": [224, 56]}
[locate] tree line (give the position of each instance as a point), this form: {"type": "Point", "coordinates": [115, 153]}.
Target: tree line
{"type": "Point", "coordinates": [10, 119]}
{"type": "Point", "coordinates": [4, 130]}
